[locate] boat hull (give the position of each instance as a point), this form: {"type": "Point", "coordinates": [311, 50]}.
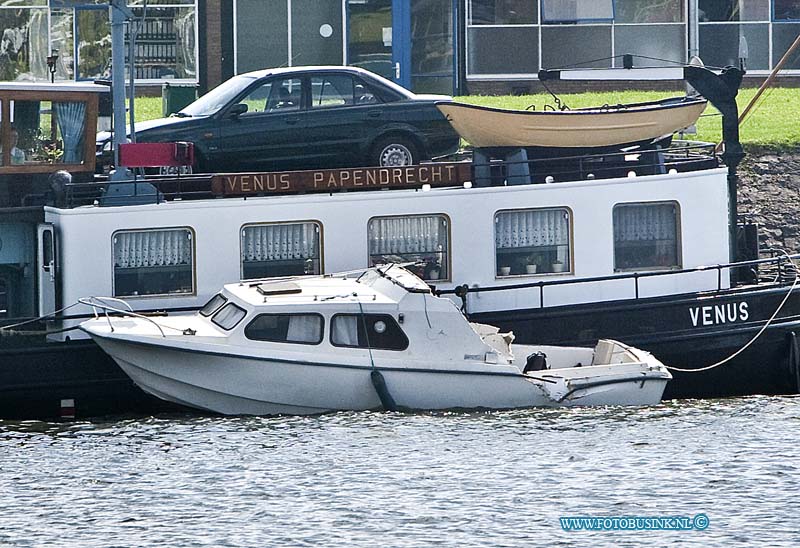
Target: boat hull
{"type": "Point", "coordinates": [579, 129]}
{"type": "Point", "coordinates": [251, 385]}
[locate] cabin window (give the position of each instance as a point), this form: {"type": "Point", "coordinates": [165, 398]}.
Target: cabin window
{"type": "Point", "coordinates": [286, 249]}
{"type": "Point", "coordinates": [153, 262]}
{"type": "Point", "coordinates": [419, 239]}
{"type": "Point", "coordinates": [213, 305]}
{"type": "Point", "coordinates": [646, 236]}
{"type": "Point", "coordinates": [286, 328]}
{"type": "Point", "coordinates": [377, 331]}
{"type": "Point", "coordinates": [47, 132]}
{"type": "Point", "coordinates": [229, 316]}
{"type": "Point", "coordinates": [532, 242]}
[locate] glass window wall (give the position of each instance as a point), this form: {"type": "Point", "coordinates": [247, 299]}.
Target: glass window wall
{"type": "Point", "coordinates": [79, 34]}
{"type": "Point", "coordinates": [515, 38]}
{"type": "Point", "coordinates": [758, 30]}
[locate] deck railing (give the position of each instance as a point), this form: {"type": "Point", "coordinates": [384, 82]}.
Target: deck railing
{"type": "Point", "coordinates": [681, 156]}
{"type": "Point", "coordinates": [783, 272]}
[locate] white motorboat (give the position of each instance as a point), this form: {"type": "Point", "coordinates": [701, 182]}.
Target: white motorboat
{"type": "Point", "coordinates": [381, 339]}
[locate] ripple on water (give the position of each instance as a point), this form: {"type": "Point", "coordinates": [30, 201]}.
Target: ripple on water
{"type": "Point", "coordinates": [407, 480]}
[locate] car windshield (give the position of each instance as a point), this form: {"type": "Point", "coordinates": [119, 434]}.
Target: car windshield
{"type": "Point", "coordinates": [211, 102]}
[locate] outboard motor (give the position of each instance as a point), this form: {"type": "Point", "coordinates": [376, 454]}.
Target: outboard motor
{"type": "Point", "coordinates": [536, 362]}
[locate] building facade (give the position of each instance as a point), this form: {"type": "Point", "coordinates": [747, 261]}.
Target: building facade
{"type": "Point", "coordinates": [444, 46]}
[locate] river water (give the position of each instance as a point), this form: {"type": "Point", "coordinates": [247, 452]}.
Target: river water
{"type": "Point", "coordinates": [391, 479]}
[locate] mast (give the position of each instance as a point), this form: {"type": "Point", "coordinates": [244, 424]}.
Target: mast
{"type": "Point", "coordinates": [119, 15]}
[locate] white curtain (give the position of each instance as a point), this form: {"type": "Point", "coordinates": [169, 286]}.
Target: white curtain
{"type": "Point", "coordinates": [72, 122]}
{"type": "Point", "coordinates": [344, 330]}
{"type": "Point", "coordinates": [152, 248]}
{"type": "Point", "coordinates": [532, 228]}
{"type": "Point", "coordinates": [645, 222]}
{"type": "Point", "coordinates": [405, 235]}
{"type": "Point", "coordinates": [280, 242]}
{"type": "Point", "coordinates": [305, 328]}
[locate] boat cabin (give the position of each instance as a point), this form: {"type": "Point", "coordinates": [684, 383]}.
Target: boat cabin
{"type": "Point", "coordinates": [386, 310]}
{"type": "Point", "coordinates": [44, 129]}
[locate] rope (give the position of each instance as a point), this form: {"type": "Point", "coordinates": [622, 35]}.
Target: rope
{"type": "Point", "coordinates": [36, 333]}
{"type": "Point", "coordinates": [366, 331]}
{"type": "Point", "coordinates": [34, 320]}
{"type": "Point", "coordinates": [757, 335]}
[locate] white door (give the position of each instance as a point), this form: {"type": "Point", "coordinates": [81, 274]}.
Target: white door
{"type": "Point", "coordinates": [46, 268]}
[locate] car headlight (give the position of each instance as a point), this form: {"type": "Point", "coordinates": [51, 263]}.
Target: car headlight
{"type": "Point", "coordinates": [107, 146]}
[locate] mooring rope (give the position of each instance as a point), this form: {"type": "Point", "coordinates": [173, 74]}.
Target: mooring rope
{"type": "Point", "coordinates": [757, 335]}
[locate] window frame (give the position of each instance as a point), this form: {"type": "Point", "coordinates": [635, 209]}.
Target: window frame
{"type": "Point", "coordinates": [216, 309]}
{"type": "Point", "coordinates": [448, 256]}
{"type": "Point", "coordinates": [361, 319]}
{"type": "Point", "coordinates": [91, 101]}
{"type": "Point", "coordinates": [227, 304]}
{"type": "Point", "coordinates": [193, 264]}
{"type": "Point", "coordinates": [678, 238]}
{"type": "Point", "coordinates": [288, 314]}
{"type": "Point", "coordinates": [320, 246]}
{"type": "Point", "coordinates": [570, 243]}
{"type": "Point", "coordinates": [578, 21]}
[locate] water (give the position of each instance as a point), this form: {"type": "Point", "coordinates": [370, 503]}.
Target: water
{"type": "Point", "coordinates": [385, 479]}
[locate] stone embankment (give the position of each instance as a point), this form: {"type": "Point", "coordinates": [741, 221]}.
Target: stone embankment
{"type": "Point", "coordinates": [769, 194]}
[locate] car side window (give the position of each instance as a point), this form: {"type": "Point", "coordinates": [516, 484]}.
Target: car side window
{"type": "Point", "coordinates": [285, 95]}
{"type": "Point", "coordinates": [256, 99]}
{"type": "Point", "coordinates": [331, 90]}
{"type": "Point", "coordinates": [366, 94]}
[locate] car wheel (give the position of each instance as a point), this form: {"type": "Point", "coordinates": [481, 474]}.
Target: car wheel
{"type": "Point", "coordinates": [394, 151]}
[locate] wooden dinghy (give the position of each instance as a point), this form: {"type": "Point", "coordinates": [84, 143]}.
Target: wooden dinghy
{"type": "Point", "coordinates": [580, 128]}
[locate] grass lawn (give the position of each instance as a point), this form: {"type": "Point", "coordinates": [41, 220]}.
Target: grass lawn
{"type": "Point", "coordinates": [773, 123]}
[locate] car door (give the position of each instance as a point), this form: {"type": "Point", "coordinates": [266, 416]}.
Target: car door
{"type": "Point", "coordinates": [337, 123]}
{"type": "Point", "coordinates": [264, 129]}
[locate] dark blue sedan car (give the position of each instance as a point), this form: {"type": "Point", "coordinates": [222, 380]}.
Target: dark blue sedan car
{"type": "Point", "coordinates": [304, 117]}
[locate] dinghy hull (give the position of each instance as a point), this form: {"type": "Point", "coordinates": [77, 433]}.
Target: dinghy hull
{"type": "Point", "coordinates": [578, 129]}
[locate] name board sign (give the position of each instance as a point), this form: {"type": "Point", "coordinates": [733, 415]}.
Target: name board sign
{"type": "Point", "coordinates": [329, 180]}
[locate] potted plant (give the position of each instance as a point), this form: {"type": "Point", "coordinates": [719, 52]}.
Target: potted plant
{"type": "Point", "coordinates": [557, 266]}
{"type": "Point", "coordinates": [533, 263]}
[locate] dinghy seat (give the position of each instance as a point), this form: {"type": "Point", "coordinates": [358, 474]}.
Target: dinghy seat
{"type": "Point", "coordinates": [610, 352]}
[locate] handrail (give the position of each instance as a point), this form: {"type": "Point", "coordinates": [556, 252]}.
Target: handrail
{"type": "Point", "coordinates": [462, 290]}
{"type": "Point", "coordinates": [98, 302]}
{"type": "Point", "coordinates": [682, 156]}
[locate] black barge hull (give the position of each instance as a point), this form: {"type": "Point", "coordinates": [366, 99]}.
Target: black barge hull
{"type": "Point", "coordinates": [64, 380]}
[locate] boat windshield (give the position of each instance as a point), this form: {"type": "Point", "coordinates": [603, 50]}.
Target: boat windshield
{"type": "Point", "coordinates": [229, 316]}
{"type": "Point", "coordinates": [217, 98]}
{"type": "Point", "coordinates": [213, 305]}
